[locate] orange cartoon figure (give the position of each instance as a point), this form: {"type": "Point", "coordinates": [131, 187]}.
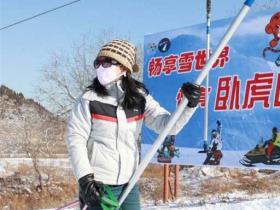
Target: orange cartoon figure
{"type": "Point", "coordinates": [273, 27]}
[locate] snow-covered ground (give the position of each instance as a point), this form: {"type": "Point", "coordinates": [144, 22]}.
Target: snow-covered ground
{"type": "Point", "coordinates": [260, 204]}
{"type": "Point", "coordinates": [192, 179]}
{"type": "Point", "coordinates": [7, 163]}
{"type": "Point", "coordinates": [187, 156]}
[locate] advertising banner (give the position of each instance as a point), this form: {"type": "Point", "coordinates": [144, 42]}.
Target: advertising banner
{"type": "Point", "coordinates": [244, 92]}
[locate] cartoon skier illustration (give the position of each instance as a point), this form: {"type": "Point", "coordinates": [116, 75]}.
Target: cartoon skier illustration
{"type": "Point", "coordinates": [214, 154]}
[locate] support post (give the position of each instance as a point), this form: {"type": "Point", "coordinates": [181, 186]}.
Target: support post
{"type": "Point", "coordinates": [177, 181]}
{"type": "Point", "coordinates": [165, 182]}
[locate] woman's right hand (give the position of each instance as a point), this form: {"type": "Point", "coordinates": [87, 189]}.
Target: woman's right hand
{"type": "Point", "coordinates": [90, 190]}
{"type": "Point", "coordinates": [192, 92]}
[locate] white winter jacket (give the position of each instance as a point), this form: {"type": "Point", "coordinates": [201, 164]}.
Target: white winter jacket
{"type": "Point", "coordinates": [102, 136]}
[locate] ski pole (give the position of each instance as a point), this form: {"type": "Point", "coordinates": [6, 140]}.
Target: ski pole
{"type": "Point", "coordinates": [182, 107]}
{"type": "Point", "coordinates": [73, 203]}
{"type": "Point", "coordinates": [107, 202]}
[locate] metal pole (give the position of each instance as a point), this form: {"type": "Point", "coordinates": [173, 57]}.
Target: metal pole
{"type": "Point", "coordinates": [208, 20]}
{"type": "Point", "coordinates": [182, 107]}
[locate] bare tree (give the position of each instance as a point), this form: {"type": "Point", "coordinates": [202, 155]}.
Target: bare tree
{"type": "Point", "coordinates": [65, 78]}
{"type": "Point", "coordinates": [39, 137]}
{"type": "Point", "coordinates": [29, 130]}
{"type": "Point", "coordinates": [31, 150]}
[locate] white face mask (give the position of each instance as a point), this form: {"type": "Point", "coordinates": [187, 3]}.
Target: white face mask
{"type": "Point", "coordinates": [107, 75]}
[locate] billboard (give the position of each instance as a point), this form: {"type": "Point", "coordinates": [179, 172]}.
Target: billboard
{"type": "Point", "coordinates": [244, 91]}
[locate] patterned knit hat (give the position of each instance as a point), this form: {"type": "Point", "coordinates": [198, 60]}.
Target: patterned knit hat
{"type": "Point", "coordinates": [122, 51]}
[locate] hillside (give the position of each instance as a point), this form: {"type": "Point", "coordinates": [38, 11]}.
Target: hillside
{"type": "Point", "coordinates": [26, 126]}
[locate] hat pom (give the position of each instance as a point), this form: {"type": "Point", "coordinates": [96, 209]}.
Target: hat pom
{"type": "Point", "coordinates": [135, 68]}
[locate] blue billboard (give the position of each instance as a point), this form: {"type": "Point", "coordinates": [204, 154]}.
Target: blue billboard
{"type": "Point", "coordinates": [244, 89]}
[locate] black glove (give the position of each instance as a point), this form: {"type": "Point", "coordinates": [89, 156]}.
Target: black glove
{"type": "Point", "coordinates": [192, 92]}
{"type": "Point", "coordinates": [90, 190]}
{"type": "Point", "coordinates": [219, 123]}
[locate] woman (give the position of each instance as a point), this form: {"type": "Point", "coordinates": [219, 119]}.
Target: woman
{"type": "Point", "coordinates": [105, 125]}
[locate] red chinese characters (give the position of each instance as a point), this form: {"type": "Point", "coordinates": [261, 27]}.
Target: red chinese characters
{"type": "Point", "coordinates": [155, 67]}
{"type": "Point", "coordinates": [185, 62]}
{"type": "Point", "coordinates": [170, 64]}
{"type": "Point", "coordinates": [222, 94]}
{"type": "Point", "coordinates": [222, 59]}
{"type": "Point", "coordinates": [202, 99]}
{"type": "Point", "coordinates": [179, 97]}
{"type": "Point", "coordinates": [258, 90]}
{"type": "Point", "coordinates": [200, 59]}
{"type": "Point", "coordinates": [235, 94]}
{"type": "Point", "coordinates": [277, 93]}
{"type": "Point", "coordinates": [228, 94]}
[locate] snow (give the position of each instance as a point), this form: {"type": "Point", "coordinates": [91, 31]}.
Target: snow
{"type": "Point", "coordinates": [6, 163]}
{"type": "Point", "coordinates": [191, 177]}
{"type": "Point", "coordinates": [263, 204]}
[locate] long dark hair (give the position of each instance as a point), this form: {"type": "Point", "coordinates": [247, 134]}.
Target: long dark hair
{"type": "Point", "coordinates": [134, 90]}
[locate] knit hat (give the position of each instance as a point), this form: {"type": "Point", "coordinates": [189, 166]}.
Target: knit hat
{"type": "Point", "coordinates": [122, 51]}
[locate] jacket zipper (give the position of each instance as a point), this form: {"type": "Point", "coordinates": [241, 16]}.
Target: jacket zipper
{"type": "Point", "coordinates": [117, 95]}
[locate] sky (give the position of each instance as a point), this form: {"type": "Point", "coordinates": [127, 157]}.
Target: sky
{"type": "Point", "coordinates": [27, 47]}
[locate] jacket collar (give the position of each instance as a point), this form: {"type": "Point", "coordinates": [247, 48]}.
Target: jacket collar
{"type": "Point", "coordinates": [114, 89]}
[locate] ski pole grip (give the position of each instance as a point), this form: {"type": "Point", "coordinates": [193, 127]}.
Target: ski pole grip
{"type": "Point", "coordinates": [249, 3]}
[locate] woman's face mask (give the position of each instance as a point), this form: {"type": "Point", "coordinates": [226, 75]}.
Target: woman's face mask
{"type": "Point", "coordinates": [107, 75]}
